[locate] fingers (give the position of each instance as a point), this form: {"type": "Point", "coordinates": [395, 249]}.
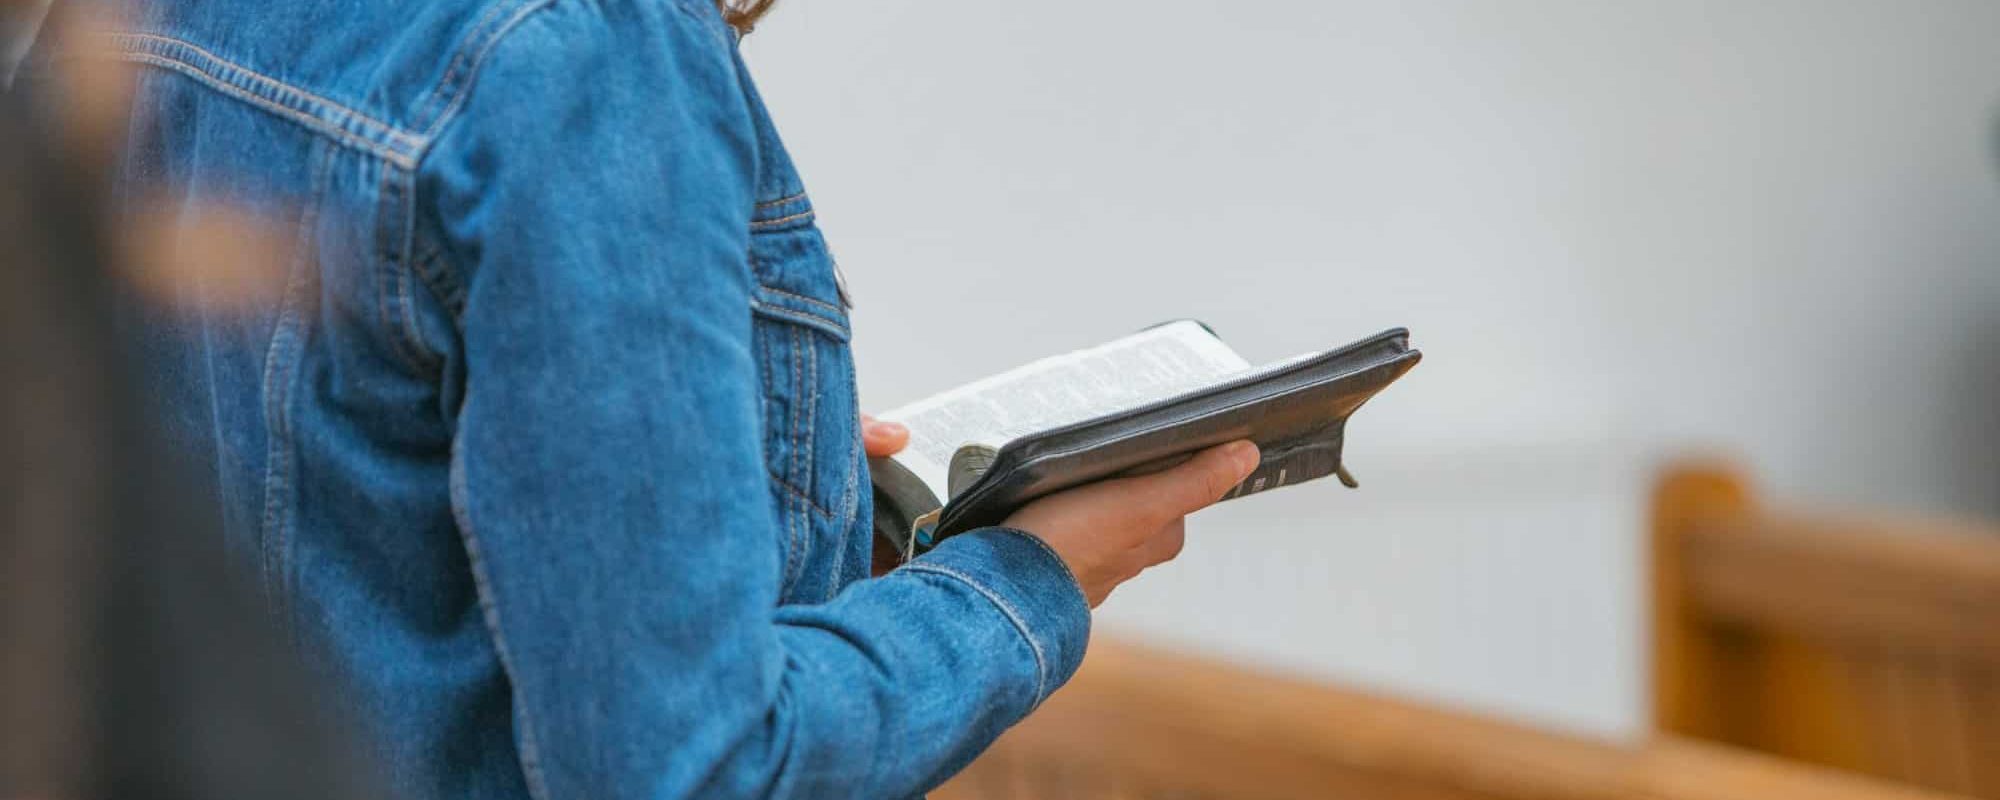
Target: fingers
{"type": "Point", "coordinates": [882, 439]}
{"type": "Point", "coordinates": [1200, 481]}
{"type": "Point", "coordinates": [1162, 546]}
{"type": "Point", "coordinates": [1165, 545]}
{"type": "Point", "coordinates": [1110, 531]}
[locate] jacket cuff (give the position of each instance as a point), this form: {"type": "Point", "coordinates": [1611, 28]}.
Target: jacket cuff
{"type": "Point", "coordinates": [1031, 587]}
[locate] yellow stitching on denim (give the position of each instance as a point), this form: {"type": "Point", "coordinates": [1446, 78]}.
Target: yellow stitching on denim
{"type": "Point", "coordinates": [848, 500]}
{"type": "Point", "coordinates": [781, 201]}
{"type": "Point", "coordinates": [792, 432]}
{"type": "Point", "coordinates": [1053, 556]}
{"type": "Point", "coordinates": [457, 60]}
{"type": "Point", "coordinates": [790, 512]}
{"type": "Point", "coordinates": [796, 296]}
{"type": "Point", "coordinates": [810, 435]}
{"type": "Point", "coordinates": [764, 356]}
{"type": "Point", "coordinates": [386, 285]}
{"type": "Point", "coordinates": [801, 318]}
{"type": "Point", "coordinates": [431, 360]}
{"type": "Point", "coordinates": [387, 129]}
{"type": "Point", "coordinates": [1007, 610]}
{"type": "Point", "coordinates": [800, 494]}
{"type": "Point", "coordinates": [499, 33]}
{"type": "Point", "coordinates": [377, 248]}
{"type": "Point", "coordinates": [766, 377]}
{"type": "Point", "coordinates": [311, 122]}
{"type": "Point", "coordinates": [763, 345]}
{"type": "Point", "coordinates": [278, 376]}
{"type": "Point", "coordinates": [489, 612]}
{"type": "Point", "coordinates": [767, 223]}
{"type": "Point", "coordinates": [793, 535]}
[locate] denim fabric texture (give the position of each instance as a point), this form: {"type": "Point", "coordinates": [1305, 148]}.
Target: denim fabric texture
{"type": "Point", "coordinates": [547, 450]}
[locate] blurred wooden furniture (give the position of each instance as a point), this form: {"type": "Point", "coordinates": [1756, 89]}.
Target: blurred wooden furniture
{"type": "Point", "coordinates": [1782, 642]}
{"type": "Point", "coordinates": [1137, 724]}
{"type": "Point", "coordinates": [1870, 645]}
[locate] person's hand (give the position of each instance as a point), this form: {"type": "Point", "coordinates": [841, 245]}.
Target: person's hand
{"type": "Point", "coordinates": [1107, 532]}
{"type": "Point", "coordinates": [883, 439]}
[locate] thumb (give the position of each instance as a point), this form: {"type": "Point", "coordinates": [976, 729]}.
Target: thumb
{"type": "Point", "coordinates": [882, 439]}
{"type": "Point", "coordinates": [1200, 481]}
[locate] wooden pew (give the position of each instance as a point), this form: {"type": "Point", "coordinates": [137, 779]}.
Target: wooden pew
{"type": "Point", "coordinates": [1867, 644]}
{"type": "Point", "coordinates": [1779, 639]}
{"type": "Point", "coordinates": [1140, 724]}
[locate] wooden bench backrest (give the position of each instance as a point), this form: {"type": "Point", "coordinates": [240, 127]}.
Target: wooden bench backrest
{"type": "Point", "coordinates": [1871, 646]}
{"type": "Point", "coordinates": [1138, 724]}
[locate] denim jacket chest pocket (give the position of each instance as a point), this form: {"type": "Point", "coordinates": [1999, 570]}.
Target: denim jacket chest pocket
{"type": "Point", "coordinates": [812, 444]}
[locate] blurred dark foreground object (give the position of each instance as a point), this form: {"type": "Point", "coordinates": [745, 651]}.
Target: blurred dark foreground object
{"type": "Point", "coordinates": [132, 663]}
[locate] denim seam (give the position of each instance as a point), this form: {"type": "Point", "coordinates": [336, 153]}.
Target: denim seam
{"type": "Point", "coordinates": [392, 255]}
{"type": "Point", "coordinates": [772, 223]}
{"type": "Point", "coordinates": [798, 386]}
{"type": "Point", "coordinates": [280, 369]}
{"type": "Point", "coordinates": [460, 76]}
{"type": "Point", "coordinates": [780, 201]}
{"type": "Point", "coordinates": [802, 432]}
{"type": "Point", "coordinates": [801, 495]}
{"type": "Point", "coordinates": [1053, 556]}
{"type": "Point", "coordinates": [489, 608]}
{"type": "Point", "coordinates": [433, 360]}
{"type": "Point", "coordinates": [397, 147]}
{"type": "Point", "coordinates": [1007, 610]}
{"type": "Point", "coordinates": [793, 513]}
{"type": "Point", "coordinates": [426, 263]}
{"type": "Point", "coordinates": [792, 454]}
{"type": "Point", "coordinates": [831, 327]}
{"type": "Point", "coordinates": [431, 357]}
{"type": "Point", "coordinates": [314, 112]}
{"type": "Point", "coordinates": [848, 501]}
{"type": "Point", "coordinates": [458, 56]}
{"type": "Point", "coordinates": [273, 83]}
{"type": "Point", "coordinates": [809, 435]}
{"type": "Point", "coordinates": [471, 71]}
{"type": "Point", "coordinates": [308, 120]}
{"type": "Point", "coordinates": [762, 342]}
{"type": "Point", "coordinates": [837, 310]}
{"type": "Point", "coordinates": [785, 502]}
{"type": "Point", "coordinates": [780, 477]}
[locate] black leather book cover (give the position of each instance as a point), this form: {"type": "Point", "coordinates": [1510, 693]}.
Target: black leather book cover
{"type": "Point", "coordinates": [1295, 411]}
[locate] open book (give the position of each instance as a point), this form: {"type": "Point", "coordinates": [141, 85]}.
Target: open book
{"type": "Point", "coordinates": [1134, 405]}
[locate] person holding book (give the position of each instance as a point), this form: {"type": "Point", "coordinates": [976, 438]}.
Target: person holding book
{"type": "Point", "coordinates": [546, 445]}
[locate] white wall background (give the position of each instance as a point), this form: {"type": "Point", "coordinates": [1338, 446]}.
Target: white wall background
{"type": "Point", "coordinates": [1619, 230]}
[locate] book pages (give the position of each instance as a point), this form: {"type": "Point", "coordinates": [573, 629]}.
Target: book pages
{"type": "Point", "coordinates": [1150, 365]}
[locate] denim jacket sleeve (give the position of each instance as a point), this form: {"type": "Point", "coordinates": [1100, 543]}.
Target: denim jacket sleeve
{"type": "Point", "coordinates": [594, 196]}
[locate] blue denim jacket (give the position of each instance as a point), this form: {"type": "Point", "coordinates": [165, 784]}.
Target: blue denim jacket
{"type": "Point", "coordinates": [548, 451]}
